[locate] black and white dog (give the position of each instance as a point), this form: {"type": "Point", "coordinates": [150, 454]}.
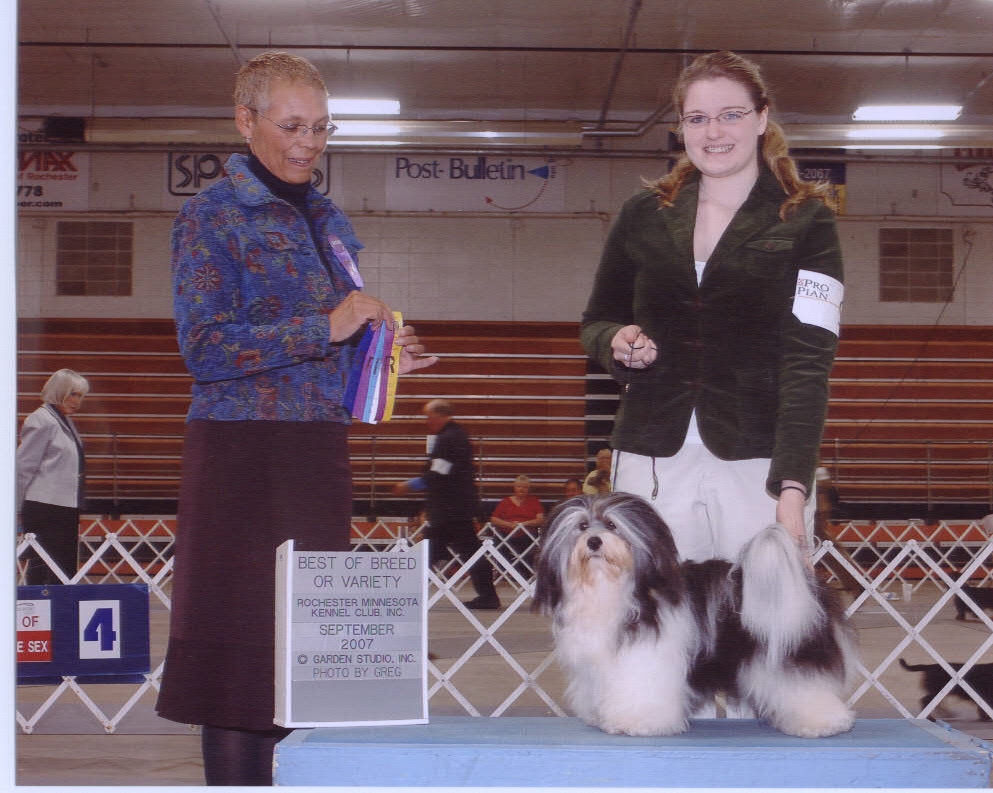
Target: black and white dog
{"type": "Point", "coordinates": [645, 639]}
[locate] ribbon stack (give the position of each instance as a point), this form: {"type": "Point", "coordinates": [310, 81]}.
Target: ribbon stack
{"type": "Point", "coordinates": [372, 381]}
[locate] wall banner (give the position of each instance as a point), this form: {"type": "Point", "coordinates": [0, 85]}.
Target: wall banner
{"type": "Point", "coordinates": [50, 180]}
{"type": "Point", "coordinates": [968, 184]}
{"type": "Point", "coordinates": [475, 183]}
{"type": "Point", "coordinates": [189, 172]}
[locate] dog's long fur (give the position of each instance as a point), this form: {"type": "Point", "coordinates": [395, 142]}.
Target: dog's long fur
{"type": "Point", "coordinates": [645, 640]}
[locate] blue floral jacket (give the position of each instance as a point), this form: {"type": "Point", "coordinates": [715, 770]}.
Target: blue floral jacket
{"type": "Point", "coordinates": [251, 301]}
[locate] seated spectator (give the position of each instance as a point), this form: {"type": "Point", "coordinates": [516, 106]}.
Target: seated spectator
{"type": "Point", "coordinates": [519, 509]}
{"type": "Point", "coordinates": [597, 481]}
{"type": "Point", "coordinates": [572, 488]}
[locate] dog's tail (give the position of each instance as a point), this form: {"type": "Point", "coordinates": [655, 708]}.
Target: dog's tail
{"type": "Point", "coordinates": [779, 601]}
{"type": "Point", "coordinates": [913, 667]}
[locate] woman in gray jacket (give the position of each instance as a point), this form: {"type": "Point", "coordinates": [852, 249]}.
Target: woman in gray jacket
{"type": "Point", "coordinates": [50, 474]}
{"type": "Point", "coordinates": [716, 306]}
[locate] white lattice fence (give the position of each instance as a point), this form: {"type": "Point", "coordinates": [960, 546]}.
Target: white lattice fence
{"type": "Point", "coordinates": [876, 596]}
{"type": "Point", "coordinates": [873, 544]}
{"type": "Point", "coordinates": [894, 565]}
{"type": "Point", "coordinates": [111, 560]}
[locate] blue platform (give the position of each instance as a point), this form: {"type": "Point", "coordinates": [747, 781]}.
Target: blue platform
{"type": "Point", "coordinates": [563, 752]}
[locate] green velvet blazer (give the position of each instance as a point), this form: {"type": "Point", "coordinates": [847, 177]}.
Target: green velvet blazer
{"type": "Point", "coordinates": [746, 347]}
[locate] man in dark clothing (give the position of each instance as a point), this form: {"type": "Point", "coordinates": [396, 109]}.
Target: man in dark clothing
{"type": "Point", "coordinates": [452, 501]}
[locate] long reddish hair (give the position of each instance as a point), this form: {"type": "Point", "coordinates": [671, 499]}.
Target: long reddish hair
{"type": "Point", "coordinates": [773, 146]}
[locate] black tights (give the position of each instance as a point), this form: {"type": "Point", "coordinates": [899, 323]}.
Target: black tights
{"type": "Point", "coordinates": [239, 757]}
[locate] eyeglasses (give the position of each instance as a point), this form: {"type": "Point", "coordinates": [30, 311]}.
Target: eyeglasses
{"type": "Point", "coordinates": [727, 118]}
{"type": "Point", "coordinates": [301, 130]}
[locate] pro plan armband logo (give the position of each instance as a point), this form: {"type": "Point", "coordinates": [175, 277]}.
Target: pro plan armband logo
{"type": "Point", "coordinates": [818, 300]}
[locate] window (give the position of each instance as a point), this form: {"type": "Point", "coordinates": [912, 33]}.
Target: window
{"type": "Point", "coordinates": [916, 265]}
{"type": "Point", "coordinates": [93, 258]}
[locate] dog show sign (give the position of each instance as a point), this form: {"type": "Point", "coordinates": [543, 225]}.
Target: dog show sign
{"type": "Point", "coordinates": [97, 633]}
{"type": "Point", "coordinates": [351, 637]}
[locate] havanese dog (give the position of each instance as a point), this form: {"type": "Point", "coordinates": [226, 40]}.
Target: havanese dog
{"type": "Point", "coordinates": [645, 639]}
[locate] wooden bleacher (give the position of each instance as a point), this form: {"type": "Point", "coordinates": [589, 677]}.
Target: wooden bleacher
{"type": "Point", "coordinates": [518, 388]}
{"type": "Point", "coordinates": [911, 415]}
{"type": "Point", "coordinates": [910, 421]}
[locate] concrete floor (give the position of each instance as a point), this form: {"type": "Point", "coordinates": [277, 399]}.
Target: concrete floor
{"type": "Point", "coordinates": [71, 748]}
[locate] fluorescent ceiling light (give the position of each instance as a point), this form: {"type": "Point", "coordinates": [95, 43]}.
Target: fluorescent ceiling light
{"type": "Point", "coordinates": [363, 107]}
{"type": "Point", "coordinates": [907, 113]}
{"type": "Point", "coordinates": [895, 133]}
{"type": "Point", "coordinates": [351, 128]}
{"type": "Point", "coordinates": [891, 146]}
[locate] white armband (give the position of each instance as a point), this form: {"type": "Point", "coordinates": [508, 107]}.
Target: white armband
{"type": "Point", "coordinates": [818, 300]}
{"type": "Point", "coordinates": [440, 466]}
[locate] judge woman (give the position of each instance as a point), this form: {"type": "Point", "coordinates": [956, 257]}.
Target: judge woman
{"type": "Point", "coordinates": [268, 308]}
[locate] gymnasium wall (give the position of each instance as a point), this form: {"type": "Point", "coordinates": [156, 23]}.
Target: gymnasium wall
{"type": "Point", "coordinates": [472, 260]}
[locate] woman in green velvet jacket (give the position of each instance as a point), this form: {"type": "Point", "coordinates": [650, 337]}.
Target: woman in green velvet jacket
{"type": "Point", "coordinates": [716, 306]}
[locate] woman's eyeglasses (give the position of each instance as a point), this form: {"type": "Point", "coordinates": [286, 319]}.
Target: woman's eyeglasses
{"type": "Point", "coordinates": [727, 118]}
{"type": "Point", "coordinates": [301, 130]}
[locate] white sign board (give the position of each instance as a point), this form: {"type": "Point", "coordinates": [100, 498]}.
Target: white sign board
{"type": "Point", "coordinates": [968, 184]}
{"type": "Point", "coordinates": [188, 173]}
{"type": "Point", "coordinates": [34, 630]}
{"type": "Point", "coordinates": [475, 183]}
{"type": "Point", "coordinates": [50, 180]}
{"type": "Point", "coordinates": [351, 637]}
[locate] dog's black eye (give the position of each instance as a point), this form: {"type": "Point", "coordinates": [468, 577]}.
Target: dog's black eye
{"type": "Point", "coordinates": [611, 526]}
{"type": "Point", "coordinates": [583, 525]}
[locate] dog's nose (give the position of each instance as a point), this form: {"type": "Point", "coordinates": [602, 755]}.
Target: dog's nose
{"type": "Point", "coordinates": [594, 543]}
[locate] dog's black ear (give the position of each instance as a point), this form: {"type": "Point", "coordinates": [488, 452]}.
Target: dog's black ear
{"type": "Point", "coordinates": [547, 589]}
{"type": "Point", "coordinates": [554, 549]}
{"type": "Point", "coordinates": [548, 582]}
{"type": "Point", "coordinates": [663, 545]}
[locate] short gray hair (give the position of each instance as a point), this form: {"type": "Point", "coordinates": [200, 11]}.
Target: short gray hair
{"type": "Point", "coordinates": [254, 80]}
{"type": "Point", "coordinates": [61, 384]}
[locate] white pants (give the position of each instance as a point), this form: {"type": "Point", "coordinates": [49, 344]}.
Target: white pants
{"type": "Point", "coordinates": [712, 506]}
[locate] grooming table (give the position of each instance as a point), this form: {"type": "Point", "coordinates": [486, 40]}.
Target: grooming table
{"type": "Point", "coordinates": [564, 752]}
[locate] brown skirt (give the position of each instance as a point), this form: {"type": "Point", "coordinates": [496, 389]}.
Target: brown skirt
{"type": "Point", "coordinates": [247, 487]}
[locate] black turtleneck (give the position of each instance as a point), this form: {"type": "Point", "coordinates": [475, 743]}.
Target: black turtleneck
{"type": "Point", "coordinates": [294, 194]}
{"type": "Point", "coordinates": [290, 192]}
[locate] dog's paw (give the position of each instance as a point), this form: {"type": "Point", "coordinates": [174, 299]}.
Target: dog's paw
{"type": "Point", "coordinates": [832, 721]}
{"type": "Point", "coordinates": [644, 728]}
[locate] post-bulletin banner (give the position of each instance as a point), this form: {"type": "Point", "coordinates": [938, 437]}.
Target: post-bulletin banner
{"type": "Point", "coordinates": [474, 183]}
{"type": "Point", "coordinates": [969, 184]}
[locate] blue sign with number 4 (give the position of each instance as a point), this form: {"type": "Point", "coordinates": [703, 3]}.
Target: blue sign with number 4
{"type": "Point", "coordinates": [97, 633]}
